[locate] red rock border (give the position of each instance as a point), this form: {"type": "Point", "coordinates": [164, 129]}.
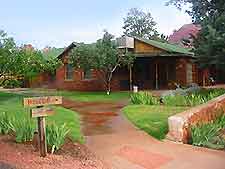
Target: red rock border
{"type": "Point", "coordinates": [180, 124]}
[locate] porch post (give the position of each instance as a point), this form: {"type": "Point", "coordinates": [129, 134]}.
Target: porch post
{"type": "Point", "coordinates": [156, 77]}
{"type": "Point", "coordinates": [130, 78]}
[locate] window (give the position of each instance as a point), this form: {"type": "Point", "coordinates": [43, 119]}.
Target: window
{"type": "Point", "coordinates": [189, 73]}
{"type": "Point", "coordinates": [87, 74]}
{"type": "Point", "coordinates": [69, 72]}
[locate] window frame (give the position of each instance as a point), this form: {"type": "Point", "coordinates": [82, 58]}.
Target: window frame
{"type": "Point", "coordinates": [67, 76]}
{"type": "Point", "coordinates": [90, 76]}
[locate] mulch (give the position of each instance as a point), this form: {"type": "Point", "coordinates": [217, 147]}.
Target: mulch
{"type": "Point", "coordinates": [23, 156]}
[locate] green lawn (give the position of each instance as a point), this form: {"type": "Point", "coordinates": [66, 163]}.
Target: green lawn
{"type": "Point", "coordinates": [84, 96]}
{"type": "Point", "coordinates": [152, 119]}
{"type": "Point", "coordinates": [12, 103]}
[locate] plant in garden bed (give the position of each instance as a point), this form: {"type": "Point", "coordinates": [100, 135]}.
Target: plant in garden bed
{"type": "Point", "coordinates": [6, 123]}
{"type": "Point", "coordinates": [209, 135]}
{"type": "Point", "coordinates": [55, 136]}
{"type": "Point", "coordinates": [24, 130]}
{"type": "Point", "coordinates": [144, 98]}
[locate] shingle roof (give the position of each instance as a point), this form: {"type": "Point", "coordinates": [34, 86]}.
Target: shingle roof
{"type": "Point", "coordinates": [171, 48]}
{"type": "Point", "coordinates": [184, 32]}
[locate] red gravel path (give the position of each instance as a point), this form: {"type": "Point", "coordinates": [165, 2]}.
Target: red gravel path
{"type": "Point", "coordinates": [20, 156]}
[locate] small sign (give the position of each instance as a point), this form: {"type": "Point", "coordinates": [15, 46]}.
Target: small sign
{"type": "Point", "coordinates": [42, 101]}
{"type": "Point", "coordinates": [41, 112]}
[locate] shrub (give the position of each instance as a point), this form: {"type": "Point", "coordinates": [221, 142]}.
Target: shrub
{"type": "Point", "coordinates": [11, 83]}
{"type": "Point", "coordinates": [192, 99]}
{"type": "Point", "coordinates": [144, 98]}
{"type": "Point", "coordinates": [6, 123]}
{"type": "Point", "coordinates": [24, 129]}
{"type": "Point", "coordinates": [208, 135]}
{"type": "Point", "coordinates": [177, 100]}
{"type": "Point", "coordinates": [55, 136]}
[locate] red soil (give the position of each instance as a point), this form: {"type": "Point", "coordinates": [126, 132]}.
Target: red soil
{"type": "Point", "coordinates": [23, 156]}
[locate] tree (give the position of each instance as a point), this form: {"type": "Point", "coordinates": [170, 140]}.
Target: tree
{"type": "Point", "coordinates": [19, 62]}
{"type": "Point", "coordinates": [209, 46]}
{"type": "Point", "coordinates": [102, 56]}
{"type": "Point", "coordinates": [140, 24]}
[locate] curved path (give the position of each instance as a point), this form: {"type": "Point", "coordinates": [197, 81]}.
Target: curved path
{"type": "Point", "coordinates": [117, 142]}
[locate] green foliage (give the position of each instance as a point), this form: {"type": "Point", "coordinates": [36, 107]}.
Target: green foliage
{"type": "Point", "coordinates": [24, 130]}
{"type": "Point", "coordinates": [209, 135]}
{"type": "Point", "coordinates": [193, 99]}
{"type": "Point", "coordinates": [139, 24]}
{"type": "Point", "coordinates": [6, 123]}
{"type": "Point", "coordinates": [11, 83]}
{"type": "Point", "coordinates": [143, 98]}
{"type": "Point", "coordinates": [21, 62]}
{"type": "Point", "coordinates": [55, 136]}
{"type": "Point", "coordinates": [11, 104]}
{"type": "Point", "coordinates": [103, 56]}
{"type": "Point", "coordinates": [177, 100]}
{"type": "Point", "coordinates": [209, 45]}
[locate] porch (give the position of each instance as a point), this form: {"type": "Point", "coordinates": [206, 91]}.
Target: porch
{"type": "Point", "coordinates": [156, 73]}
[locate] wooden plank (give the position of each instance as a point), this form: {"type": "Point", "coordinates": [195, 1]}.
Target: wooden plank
{"type": "Point", "coordinates": [42, 136]}
{"type": "Point", "coordinates": [42, 101]}
{"type": "Point", "coordinates": [41, 112]}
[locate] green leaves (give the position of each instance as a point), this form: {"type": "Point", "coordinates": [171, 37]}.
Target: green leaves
{"type": "Point", "coordinates": [139, 24]}
{"type": "Point", "coordinates": [6, 123]}
{"type": "Point", "coordinates": [20, 62]}
{"type": "Point", "coordinates": [102, 56]}
{"type": "Point", "coordinates": [56, 135]}
{"type": "Point", "coordinates": [144, 98]}
{"type": "Point", "coordinates": [209, 135]}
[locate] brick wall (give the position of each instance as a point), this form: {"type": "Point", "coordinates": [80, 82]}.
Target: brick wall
{"type": "Point", "coordinates": [181, 71]}
{"type": "Point", "coordinates": [180, 124]}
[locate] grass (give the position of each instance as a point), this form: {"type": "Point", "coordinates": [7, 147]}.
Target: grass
{"type": "Point", "coordinates": [152, 119]}
{"type": "Point", "coordinates": [85, 96]}
{"type": "Point", "coordinates": [12, 105]}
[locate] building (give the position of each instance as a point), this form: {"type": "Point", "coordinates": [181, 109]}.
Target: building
{"type": "Point", "coordinates": [184, 36]}
{"type": "Point", "coordinates": [157, 66]}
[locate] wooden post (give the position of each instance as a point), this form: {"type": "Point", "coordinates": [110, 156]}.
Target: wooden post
{"type": "Point", "coordinates": [130, 71]}
{"type": "Point", "coordinates": [42, 136]}
{"type": "Point", "coordinates": [41, 112]}
{"type": "Point", "coordinates": [156, 77]}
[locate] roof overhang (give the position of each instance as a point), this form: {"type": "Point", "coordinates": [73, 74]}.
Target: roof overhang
{"type": "Point", "coordinates": [68, 48]}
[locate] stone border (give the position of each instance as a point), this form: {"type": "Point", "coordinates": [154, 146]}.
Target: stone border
{"type": "Point", "coordinates": [180, 124]}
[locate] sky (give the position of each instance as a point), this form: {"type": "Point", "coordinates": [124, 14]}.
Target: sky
{"type": "Point", "coordinates": [59, 22]}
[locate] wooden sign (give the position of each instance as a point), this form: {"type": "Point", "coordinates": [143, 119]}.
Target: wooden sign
{"type": "Point", "coordinates": [42, 101]}
{"type": "Point", "coordinates": [41, 112]}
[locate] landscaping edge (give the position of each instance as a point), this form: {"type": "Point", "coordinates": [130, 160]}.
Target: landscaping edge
{"type": "Point", "coordinates": [180, 124]}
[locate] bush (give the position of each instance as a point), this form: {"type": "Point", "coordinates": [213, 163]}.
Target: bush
{"type": "Point", "coordinates": [6, 123]}
{"type": "Point", "coordinates": [56, 136]}
{"type": "Point", "coordinates": [11, 83]}
{"type": "Point", "coordinates": [177, 100]}
{"type": "Point", "coordinates": [143, 98]}
{"type": "Point", "coordinates": [209, 135]}
{"type": "Point", "coordinates": [24, 129]}
{"type": "Point", "coordinates": [192, 99]}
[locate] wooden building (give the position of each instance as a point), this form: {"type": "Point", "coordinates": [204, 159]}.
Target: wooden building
{"type": "Point", "coordinates": [157, 65]}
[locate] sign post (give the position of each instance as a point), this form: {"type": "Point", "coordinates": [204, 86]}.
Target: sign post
{"type": "Point", "coordinates": [41, 112]}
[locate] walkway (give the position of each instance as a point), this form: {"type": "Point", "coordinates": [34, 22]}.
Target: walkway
{"type": "Point", "coordinates": [117, 142]}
